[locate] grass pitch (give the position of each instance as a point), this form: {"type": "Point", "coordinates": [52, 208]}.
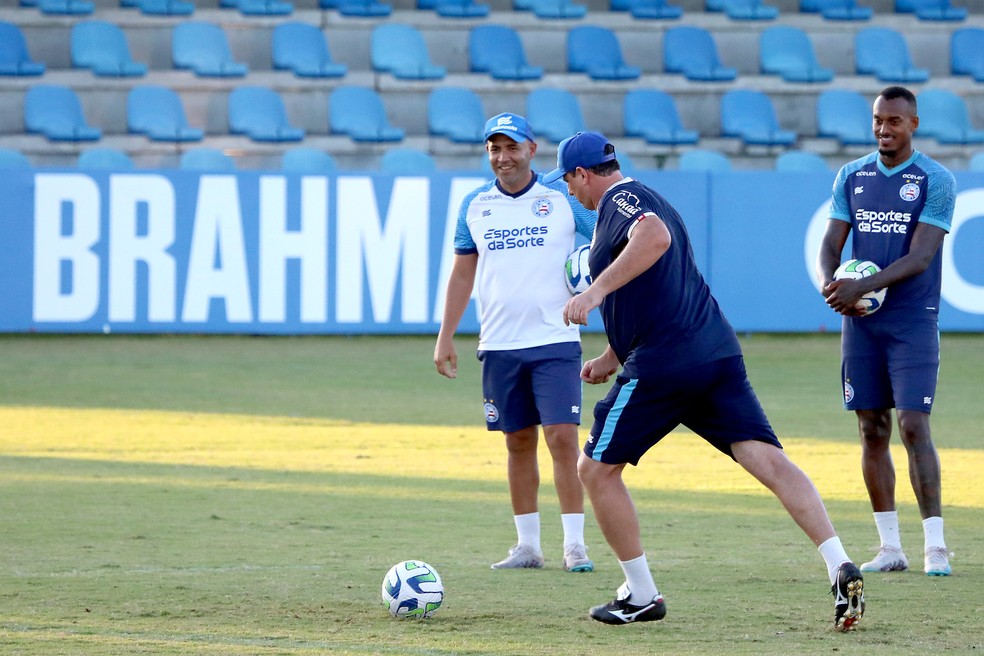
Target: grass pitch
{"type": "Point", "coordinates": [239, 496]}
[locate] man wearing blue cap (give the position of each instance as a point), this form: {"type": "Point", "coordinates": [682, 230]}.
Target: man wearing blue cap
{"type": "Point", "coordinates": [681, 364]}
{"type": "Point", "coordinates": [512, 240]}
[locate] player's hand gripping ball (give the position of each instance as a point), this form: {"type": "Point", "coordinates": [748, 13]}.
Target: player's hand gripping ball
{"type": "Point", "coordinates": [856, 269]}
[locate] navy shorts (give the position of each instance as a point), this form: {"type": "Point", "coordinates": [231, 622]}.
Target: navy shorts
{"type": "Point", "coordinates": [890, 365]}
{"type": "Point", "coordinates": [714, 400]}
{"type": "Point", "coordinates": [526, 387]}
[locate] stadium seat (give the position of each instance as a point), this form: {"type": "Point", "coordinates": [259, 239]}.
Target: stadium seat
{"type": "Point", "coordinates": [157, 112]}
{"type": "Point", "coordinates": [307, 160]}
{"type": "Point", "coordinates": [652, 115]}
{"type": "Point", "coordinates": [745, 9]}
{"type": "Point", "coordinates": [259, 113]}
{"type": "Point", "coordinates": [455, 8]}
{"type": "Point", "coordinates": [692, 52]}
{"type": "Point", "coordinates": [105, 159]}
{"type": "Point", "coordinates": [456, 113]}
{"type": "Point", "coordinates": [203, 48]}
{"type": "Point", "coordinates": [943, 115]}
{"type": "Point", "coordinates": [625, 163]}
{"type": "Point", "coordinates": [557, 9]}
{"type": "Point", "coordinates": [967, 52]}
{"type": "Point", "coordinates": [788, 52]}
{"type": "Point", "coordinates": [935, 10]}
{"type": "Point", "coordinates": [845, 10]}
{"type": "Point", "coordinates": [62, 7]}
{"type": "Point", "coordinates": [801, 161]}
{"type": "Point", "coordinates": [750, 116]}
{"type": "Point", "coordinates": [359, 112]}
{"type": "Point", "coordinates": [166, 7]}
{"type": "Point", "coordinates": [14, 58]}
{"type": "Point", "coordinates": [977, 162]}
{"type": "Point", "coordinates": [55, 112]}
{"type": "Point", "coordinates": [407, 161]}
{"type": "Point", "coordinates": [883, 52]}
{"type": "Point", "coordinates": [710, 161]}
{"type": "Point", "coordinates": [366, 8]}
{"type": "Point", "coordinates": [846, 116]}
{"type": "Point", "coordinates": [400, 50]}
{"type": "Point", "coordinates": [206, 160]}
{"type": "Point", "coordinates": [11, 159]}
{"type": "Point", "coordinates": [498, 51]}
{"type": "Point", "coordinates": [259, 7]}
{"type": "Point", "coordinates": [102, 47]}
{"type": "Point", "coordinates": [554, 114]}
{"type": "Point", "coordinates": [654, 9]}
{"type": "Point", "coordinates": [303, 49]}
{"type": "Point", "coordinates": [596, 51]}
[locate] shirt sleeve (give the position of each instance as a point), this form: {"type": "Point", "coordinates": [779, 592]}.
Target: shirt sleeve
{"type": "Point", "coordinates": [463, 242]}
{"type": "Point", "coordinates": [941, 198]}
{"type": "Point", "coordinates": [838, 201]}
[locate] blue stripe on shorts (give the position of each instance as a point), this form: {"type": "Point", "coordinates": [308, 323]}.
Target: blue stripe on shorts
{"type": "Point", "coordinates": [606, 434]}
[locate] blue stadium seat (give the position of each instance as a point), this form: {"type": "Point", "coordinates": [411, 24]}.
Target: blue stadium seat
{"type": "Point", "coordinates": [967, 52]}
{"type": "Point", "coordinates": [62, 7]}
{"type": "Point", "coordinates": [625, 163]}
{"type": "Point", "coordinates": [259, 7]}
{"type": "Point", "coordinates": [710, 161]}
{"type": "Point", "coordinates": [11, 159]}
{"type": "Point", "coordinates": [498, 51]}
{"type": "Point", "coordinates": [203, 48]}
{"type": "Point", "coordinates": [400, 50]}
{"type": "Point", "coordinates": [692, 52]}
{"type": "Point", "coordinates": [935, 10]}
{"type": "Point", "coordinates": [55, 111]}
{"type": "Point", "coordinates": [652, 115]}
{"type": "Point", "coordinates": [407, 161]}
{"type": "Point", "coordinates": [165, 7]}
{"type": "Point", "coordinates": [366, 8]}
{"type": "Point", "coordinates": [744, 9]}
{"type": "Point", "coordinates": [14, 58]}
{"type": "Point", "coordinates": [307, 160]}
{"type": "Point", "coordinates": [455, 8]}
{"type": "Point", "coordinates": [596, 51]}
{"type": "Point", "coordinates": [943, 115]}
{"type": "Point", "coordinates": [554, 114]}
{"type": "Point", "coordinates": [846, 10]}
{"type": "Point", "coordinates": [303, 49]}
{"type": "Point", "coordinates": [557, 9]}
{"type": "Point", "coordinates": [845, 115]}
{"type": "Point", "coordinates": [801, 161]}
{"type": "Point", "coordinates": [206, 160]}
{"type": "Point", "coordinates": [158, 113]}
{"type": "Point", "coordinates": [977, 162]}
{"type": "Point", "coordinates": [883, 52]}
{"type": "Point", "coordinates": [359, 112]}
{"type": "Point", "coordinates": [655, 9]}
{"type": "Point", "coordinates": [105, 159]}
{"type": "Point", "coordinates": [788, 52]}
{"type": "Point", "coordinates": [456, 113]}
{"type": "Point", "coordinates": [750, 116]}
{"type": "Point", "coordinates": [259, 113]}
{"type": "Point", "coordinates": [102, 47]}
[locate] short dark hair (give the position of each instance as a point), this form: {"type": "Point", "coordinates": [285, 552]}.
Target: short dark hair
{"type": "Point", "coordinates": [606, 168]}
{"type": "Point", "coordinates": [893, 92]}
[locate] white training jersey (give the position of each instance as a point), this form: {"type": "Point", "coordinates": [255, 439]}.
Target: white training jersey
{"type": "Point", "coordinates": [522, 242]}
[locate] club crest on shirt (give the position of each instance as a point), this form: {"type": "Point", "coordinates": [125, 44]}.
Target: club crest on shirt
{"type": "Point", "coordinates": [491, 413]}
{"type": "Point", "coordinates": [542, 207]}
{"type": "Point", "coordinates": [909, 192]}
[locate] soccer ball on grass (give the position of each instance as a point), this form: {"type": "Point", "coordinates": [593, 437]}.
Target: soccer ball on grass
{"type": "Point", "coordinates": [577, 275]}
{"type": "Point", "coordinates": [856, 269]}
{"type": "Point", "coordinates": [412, 588]}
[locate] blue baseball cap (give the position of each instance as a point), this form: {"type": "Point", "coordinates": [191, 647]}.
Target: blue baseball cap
{"type": "Point", "coordinates": [584, 149]}
{"type": "Point", "coordinates": [513, 126]}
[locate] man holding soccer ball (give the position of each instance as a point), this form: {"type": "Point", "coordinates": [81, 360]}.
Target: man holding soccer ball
{"type": "Point", "coordinates": [681, 364]}
{"type": "Point", "coordinates": [897, 204]}
{"type": "Point", "coordinates": [512, 240]}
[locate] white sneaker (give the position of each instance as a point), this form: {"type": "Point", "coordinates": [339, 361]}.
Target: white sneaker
{"type": "Point", "coordinates": [521, 556]}
{"type": "Point", "coordinates": [937, 562]}
{"type": "Point", "coordinates": [888, 559]}
{"type": "Point", "coordinates": [576, 559]}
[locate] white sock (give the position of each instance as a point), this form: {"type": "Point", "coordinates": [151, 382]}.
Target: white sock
{"type": "Point", "coordinates": [573, 528]}
{"type": "Point", "coordinates": [640, 580]}
{"type": "Point", "coordinates": [528, 530]}
{"type": "Point", "coordinates": [933, 532]}
{"type": "Point", "coordinates": [887, 524]}
{"type": "Point", "coordinates": [833, 555]}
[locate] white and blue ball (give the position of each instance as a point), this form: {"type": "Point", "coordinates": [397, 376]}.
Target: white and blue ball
{"type": "Point", "coordinates": [855, 269]}
{"type": "Point", "coordinates": [413, 589]}
{"type": "Point", "coordinates": [577, 274]}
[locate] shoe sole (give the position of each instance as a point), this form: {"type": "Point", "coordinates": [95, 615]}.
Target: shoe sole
{"type": "Point", "coordinates": [938, 573]}
{"type": "Point", "coordinates": [893, 568]}
{"type": "Point", "coordinates": [855, 607]}
{"type": "Point", "coordinates": [584, 567]}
